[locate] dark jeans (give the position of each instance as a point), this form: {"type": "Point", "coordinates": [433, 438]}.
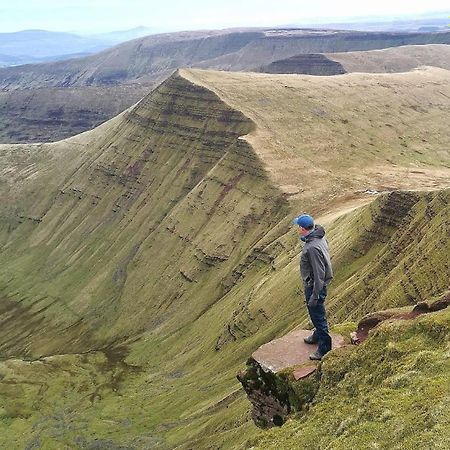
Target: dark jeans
{"type": "Point", "coordinates": [319, 320]}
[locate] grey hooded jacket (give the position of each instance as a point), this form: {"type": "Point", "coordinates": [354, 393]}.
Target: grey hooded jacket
{"type": "Point", "coordinates": [315, 264]}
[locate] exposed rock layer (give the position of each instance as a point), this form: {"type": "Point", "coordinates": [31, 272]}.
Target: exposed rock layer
{"type": "Point", "coordinates": [278, 377]}
{"type": "Point", "coordinates": [309, 64]}
{"type": "Point", "coordinates": [148, 198]}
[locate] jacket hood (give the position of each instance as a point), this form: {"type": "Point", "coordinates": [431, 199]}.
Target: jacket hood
{"type": "Point", "coordinates": [317, 233]}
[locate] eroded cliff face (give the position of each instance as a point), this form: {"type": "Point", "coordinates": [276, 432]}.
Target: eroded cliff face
{"type": "Point", "coordinates": [160, 212]}
{"type": "Point", "coordinates": [398, 253]}
{"type": "Point", "coordinates": [51, 114]}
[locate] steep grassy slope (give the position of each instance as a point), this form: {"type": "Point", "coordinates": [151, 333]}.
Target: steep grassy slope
{"type": "Point", "coordinates": [169, 390]}
{"type": "Point", "coordinates": [34, 115]}
{"type": "Point", "coordinates": [409, 262]}
{"type": "Point", "coordinates": [147, 259]}
{"type": "Point", "coordinates": [96, 237]}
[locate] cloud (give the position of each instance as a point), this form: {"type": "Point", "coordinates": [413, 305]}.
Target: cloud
{"type": "Point", "coordinates": [120, 14]}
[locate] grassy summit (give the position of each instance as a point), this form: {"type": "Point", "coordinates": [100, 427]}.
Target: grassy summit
{"type": "Point", "coordinates": [347, 133]}
{"type": "Point", "coordinates": [148, 258]}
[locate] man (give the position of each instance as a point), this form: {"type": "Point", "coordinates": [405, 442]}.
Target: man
{"type": "Point", "coordinates": [316, 272]}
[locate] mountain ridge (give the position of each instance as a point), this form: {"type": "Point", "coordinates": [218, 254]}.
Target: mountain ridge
{"type": "Point", "coordinates": [102, 85]}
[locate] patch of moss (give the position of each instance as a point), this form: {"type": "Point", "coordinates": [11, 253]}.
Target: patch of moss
{"type": "Point", "coordinates": [344, 329]}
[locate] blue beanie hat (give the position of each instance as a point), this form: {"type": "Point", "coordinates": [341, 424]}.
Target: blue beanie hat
{"type": "Point", "coordinates": [305, 221]}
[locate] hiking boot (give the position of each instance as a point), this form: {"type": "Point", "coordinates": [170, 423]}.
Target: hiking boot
{"type": "Point", "coordinates": [309, 340]}
{"type": "Point", "coordinates": [316, 356]}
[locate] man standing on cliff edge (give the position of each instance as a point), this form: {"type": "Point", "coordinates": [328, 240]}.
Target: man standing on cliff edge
{"type": "Point", "coordinates": [316, 272]}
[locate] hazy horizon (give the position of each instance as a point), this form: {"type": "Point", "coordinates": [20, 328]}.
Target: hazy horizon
{"type": "Point", "coordinates": [102, 16]}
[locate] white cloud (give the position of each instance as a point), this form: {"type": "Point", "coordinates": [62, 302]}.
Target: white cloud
{"type": "Point", "coordinates": [120, 14]}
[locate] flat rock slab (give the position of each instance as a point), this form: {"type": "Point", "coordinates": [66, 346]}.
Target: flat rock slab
{"type": "Point", "coordinates": [289, 351]}
{"type": "Point", "coordinates": [303, 372]}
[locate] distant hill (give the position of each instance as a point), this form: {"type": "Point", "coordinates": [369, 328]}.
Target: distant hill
{"type": "Point", "coordinates": [35, 46]}
{"type": "Point", "coordinates": [116, 37]}
{"type": "Point", "coordinates": [395, 59]}
{"type": "Point", "coordinates": [8, 61]}
{"type": "Point", "coordinates": [40, 44]}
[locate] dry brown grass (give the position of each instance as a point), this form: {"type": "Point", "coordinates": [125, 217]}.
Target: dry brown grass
{"type": "Point", "coordinates": [395, 59]}
{"type": "Point", "coordinates": [328, 139]}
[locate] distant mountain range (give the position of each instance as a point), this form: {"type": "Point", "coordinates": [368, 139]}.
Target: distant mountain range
{"type": "Point", "coordinates": [35, 46]}
{"type": "Point", "coordinates": [432, 22]}
{"type": "Point", "coordinates": [116, 37]}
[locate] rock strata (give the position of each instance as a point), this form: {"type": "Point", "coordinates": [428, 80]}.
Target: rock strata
{"type": "Point", "coordinates": [371, 321]}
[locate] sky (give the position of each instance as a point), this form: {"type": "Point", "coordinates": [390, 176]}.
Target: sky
{"type": "Point", "coordinates": [170, 15]}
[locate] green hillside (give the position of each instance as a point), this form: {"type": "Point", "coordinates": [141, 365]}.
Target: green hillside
{"type": "Point", "coordinates": [148, 258]}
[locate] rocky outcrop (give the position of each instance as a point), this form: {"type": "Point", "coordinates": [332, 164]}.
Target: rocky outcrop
{"type": "Point", "coordinates": [371, 321]}
{"type": "Point", "coordinates": [398, 379]}
{"type": "Point", "coordinates": [309, 64]}
{"type": "Point", "coordinates": [280, 378]}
